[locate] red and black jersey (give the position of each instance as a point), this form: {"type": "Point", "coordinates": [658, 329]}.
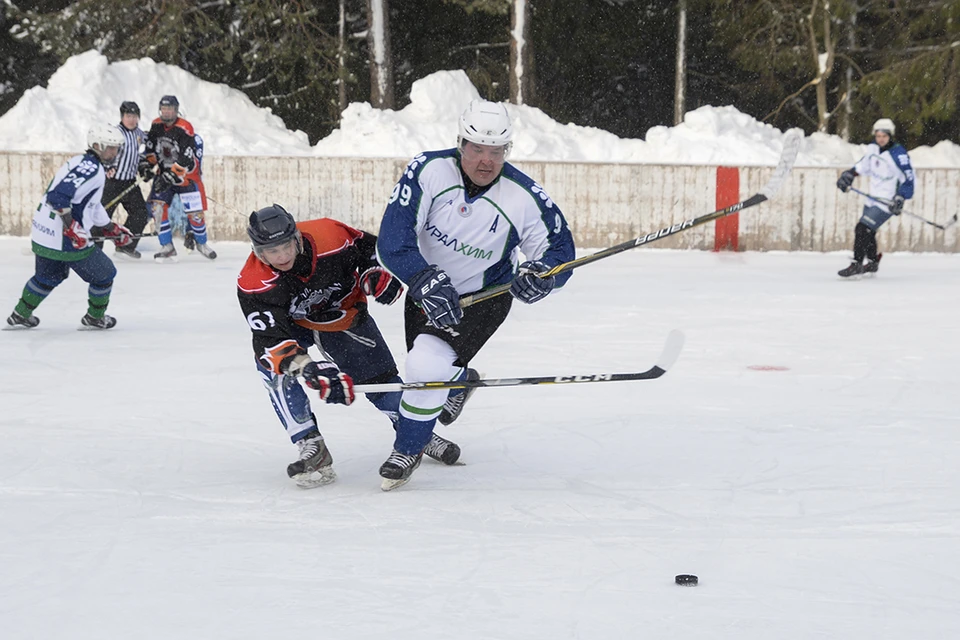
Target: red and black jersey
{"type": "Point", "coordinates": [172, 146]}
{"type": "Point", "coordinates": [321, 292]}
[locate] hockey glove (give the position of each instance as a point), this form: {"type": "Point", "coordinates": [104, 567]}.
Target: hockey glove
{"type": "Point", "coordinates": [165, 180]}
{"type": "Point", "coordinates": [377, 282]}
{"type": "Point", "coordinates": [528, 287]}
{"type": "Point", "coordinates": [120, 235]}
{"type": "Point", "coordinates": [335, 387]}
{"type": "Point", "coordinates": [896, 207]}
{"type": "Point", "coordinates": [432, 290]}
{"type": "Point", "coordinates": [76, 234]}
{"type": "Point", "coordinates": [145, 169]}
{"type": "Point", "coordinates": [846, 180]}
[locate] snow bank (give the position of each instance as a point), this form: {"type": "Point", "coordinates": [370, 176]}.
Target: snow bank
{"type": "Point", "coordinates": [88, 88]}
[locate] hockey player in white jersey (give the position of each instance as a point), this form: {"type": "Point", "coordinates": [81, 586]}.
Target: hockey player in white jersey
{"type": "Point", "coordinates": [887, 165]}
{"type": "Point", "coordinates": [69, 216]}
{"type": "Point", "coordinates": [455, 224]}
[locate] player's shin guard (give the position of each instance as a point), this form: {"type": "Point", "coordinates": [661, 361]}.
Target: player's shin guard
{"type": "Point", "coordinates": [198, 226]}
{"type": "Point", "coordinates": [418, 415]}
{"type": "Point", "coordinates": [98, 297]}
{"type": "Point", "coordinates": [290, 403]}
{"type": "Point", "coordinates": [160, 211]}
{"type": "Point", "coordinates": [34, 292]}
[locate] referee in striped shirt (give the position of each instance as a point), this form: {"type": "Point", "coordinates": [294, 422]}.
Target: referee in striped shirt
{"type": "Point", "coordinates": [128, 160]}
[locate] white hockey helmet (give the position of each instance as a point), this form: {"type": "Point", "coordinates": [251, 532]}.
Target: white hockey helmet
{"type": "Point", "coordinates": [103, 135]}
{"type": "Point", "coordinates": [486, 123]}
{"type": "Point", "coordinates": [885, 124]}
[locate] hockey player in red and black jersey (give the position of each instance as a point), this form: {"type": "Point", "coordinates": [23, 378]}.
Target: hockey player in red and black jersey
{"type": "Point", "coordinates": [171, 154]}
{"type": "Point", "coordinates": [306, 284]}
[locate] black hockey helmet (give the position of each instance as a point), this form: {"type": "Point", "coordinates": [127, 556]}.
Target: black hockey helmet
{"type": "Point", "coordinates": [129, 106]}
{"type": "Point", "coordinates": [170, 101]}
{"type": "Point", "coordinates": [271, 227]}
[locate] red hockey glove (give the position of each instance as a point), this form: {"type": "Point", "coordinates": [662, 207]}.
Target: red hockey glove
{"type": "Point", "coordinates": [335, 387]}
{"type": "Point", "coordinates": [76, 234]}
{"type": "Point", "coordinates": [120, 235]}
{"type": "Point", "coordinates": [377, 282]}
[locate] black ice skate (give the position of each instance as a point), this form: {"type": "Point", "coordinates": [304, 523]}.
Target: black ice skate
{"type": "Point", "coordinates": [167, 253]}
{"type": "Point", "coordinates": [855, 269]}
{"type": "Point", "coordinates": [17, 321]}
{"type": "Point", "coordinates": [127, 252]}
{"type": "Point", "coordinates": [442, 450]}
{"type": "Point", "coordinates": [872, 266]}
{"type": "Point", "coordinates": [206, 251]}
{"type": "Point", "coordinates": [189, 241]}
{"type": "Point", "coordinates": [315, 466]}
{"type": "Point", "coordinates": [398, 468]}
{"type": "Point", "coordinates": [89, 323]}
{"type": "Point", "coordinates": [454, 404]}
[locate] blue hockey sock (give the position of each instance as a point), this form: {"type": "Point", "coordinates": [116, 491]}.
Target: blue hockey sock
{"type": "Point", "coordinates": [413, 435]}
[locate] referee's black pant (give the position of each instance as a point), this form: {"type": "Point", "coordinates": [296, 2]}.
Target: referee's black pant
{"type": "Point", "coordinates": [132, 202]}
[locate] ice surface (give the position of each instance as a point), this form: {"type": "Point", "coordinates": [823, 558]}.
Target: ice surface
{"type": "Point", "coordinates": [143, 489]}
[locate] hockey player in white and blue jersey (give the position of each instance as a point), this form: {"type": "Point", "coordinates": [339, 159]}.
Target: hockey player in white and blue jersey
{"type": "Point", "coordinates": [69, 216]}
{"type": "Point", "coordinates": [455, 224]}
{"type": "Point", "coordinates": [887, 165]}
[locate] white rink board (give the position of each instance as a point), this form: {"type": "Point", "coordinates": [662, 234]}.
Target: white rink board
{"type": "Point", "coordinates": [605, 204]}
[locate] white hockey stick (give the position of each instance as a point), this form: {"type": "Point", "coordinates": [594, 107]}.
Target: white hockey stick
{"type": "Point", "coordinates": [791, 145]}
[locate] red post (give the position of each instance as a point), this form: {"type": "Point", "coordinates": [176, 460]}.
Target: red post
{"type": "Point", "coordinates": [726, 236]}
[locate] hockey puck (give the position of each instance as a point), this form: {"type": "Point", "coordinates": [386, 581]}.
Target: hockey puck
{"type": "Point", "coordinates": [687, 580]}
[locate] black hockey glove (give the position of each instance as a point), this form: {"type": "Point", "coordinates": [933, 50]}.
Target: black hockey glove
{"type": "Point", "coordinates": [145, 169]}
{"type": "Point", "coordinates": [377, 282]}
{"type": "Point", "coordinates": [896, 207]}
{"type": "Point", "coordinates": [432, 290]}
{"type": "Point", "coordinates": [846, 180]}
{"type": "Point", "coordinates": [335, 387]}
{"type": "Point", "coordinates": [529, 287]}
{"type": "Point", "coordinates": [165, 180]}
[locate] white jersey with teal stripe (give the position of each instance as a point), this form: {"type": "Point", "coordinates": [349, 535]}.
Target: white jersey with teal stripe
{"type": "Point", "coordinates": [431, 220]}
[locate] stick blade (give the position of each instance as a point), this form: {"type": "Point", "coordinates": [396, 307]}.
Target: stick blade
{"type": "Point", "coordinates": [791, 146]}
{"type": "Point", "coordinates": [671, 350]}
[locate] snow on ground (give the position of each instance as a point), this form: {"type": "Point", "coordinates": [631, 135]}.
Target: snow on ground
{"type": "Point", "coordinates": [143, 490]}
{"type": "Point", "coordinates": [88, 88]}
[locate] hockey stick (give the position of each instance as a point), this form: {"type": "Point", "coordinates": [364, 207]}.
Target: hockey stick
{"type": "Point", "coordinates": [671, 351]}
{"type": "Point", "coordinates": [791, 145]}
{"type": "Point", "coordinates": [136, 183]}
{"type": "Point", "coordinates": [942, 227]}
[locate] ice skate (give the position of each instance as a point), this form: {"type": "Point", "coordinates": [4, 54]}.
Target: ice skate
{"type": "Point", "coordinates": [89, 323]}
{"type": "Point", "coordinates": [205, 250]}
{"type": "Point", "coordinates": [315, 466]}
{"type": "Point", "coordinates": [167, 253]}
{"type": "Point", "coordinates": [454, 404]}
{"type": "Point", "coordinates": [855, 269]}
{"type": "Point", "coordinates": [872, 266]}
{"type": "Point", "coordinates": [126, 252]}
{"type": "Point", "coordinates": [397, 469]}
{"type": "Point", "coordinates": [17, 321]}
{"type": "Point", "coordinates": [442, 450]}
{"type": "Point", "coordinates": [189, 241]}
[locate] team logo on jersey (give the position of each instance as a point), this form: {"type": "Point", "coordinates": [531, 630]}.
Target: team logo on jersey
{"type": "Point", "coordinates": [302, 305]}
{"type": "Point", "coordinates": [465, 210]}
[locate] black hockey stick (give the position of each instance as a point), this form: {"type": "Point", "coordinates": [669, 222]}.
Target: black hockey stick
{"type": "Point", "coordinates": [791, 145]}
{"type": "Point", "coordinates": [942, 227]}
{"type": "Point", "coordinates": [671, 351]}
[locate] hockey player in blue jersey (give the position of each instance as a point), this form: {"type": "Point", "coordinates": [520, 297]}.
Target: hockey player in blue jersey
{"type": "Point", "coordinates": [887, 165]}
{"type": "Point", "coordinates": [454, 225]}
{"type": "Point", "coordinates": [69, 216]}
